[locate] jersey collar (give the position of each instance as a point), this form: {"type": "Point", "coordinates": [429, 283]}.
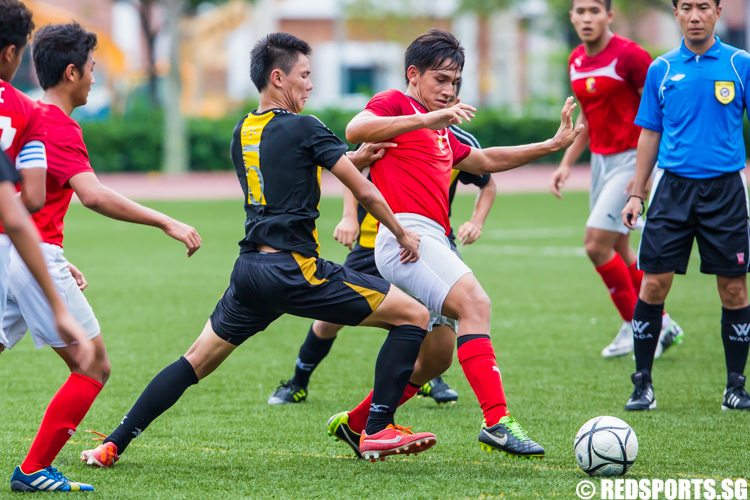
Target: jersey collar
{"type": "Point", "coordinates": [714, 52]}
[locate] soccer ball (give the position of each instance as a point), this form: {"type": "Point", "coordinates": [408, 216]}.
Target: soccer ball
{"type": "Point", "coordinates": [605, 446]}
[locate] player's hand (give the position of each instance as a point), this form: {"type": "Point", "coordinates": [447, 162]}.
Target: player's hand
{"type": "Point", "coordinates": [568, 132]}
{"type": "Point", "coordinates": [78, 276]}
{"type": "Point", "coordinates": [346, 232]}
{"type": "Point", "coordinates": [631, 212]}
{"type": "Point", "coordinates": [468, 233]}
{"type": "Point", "coordinates": [184, 233]}
{"type": "Point", "coordinates": [409, 246]}
{"type": "Point", "coordinates": [71, 332]}
{"type": "Point", "coordinates": [442, 118]}
{"type": "Point", "coordinates": [558, 180]}
{"type": "Point", "coordinates": [368, 153]}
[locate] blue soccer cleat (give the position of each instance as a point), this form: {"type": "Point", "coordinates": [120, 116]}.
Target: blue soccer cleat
{"type": "Point", "coordinates": [48, 479]}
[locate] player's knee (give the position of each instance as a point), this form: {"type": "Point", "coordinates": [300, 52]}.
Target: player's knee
{"type": "Point", "coordinates": [653, 291]}
{"type": "Point", "coordinates": [326, 330]}
{"type": "Point", "coordinates": [733, 295]}
{"type": "Point", "coordinates": [477, 305]}
{"type": "Point", "coordinates": [597, 253]}
{"type": "Point", "coordinates": [105, 369]}
{"type": "Point", "coordinates": [416, 314]}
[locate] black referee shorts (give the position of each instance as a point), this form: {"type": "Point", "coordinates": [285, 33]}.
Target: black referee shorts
{"type": "Point", "coordinates": [362, 260]}
{"type": "Point", "coordinates": [713, 211]}
{"type": "Point", "coordinates": [265, 286]}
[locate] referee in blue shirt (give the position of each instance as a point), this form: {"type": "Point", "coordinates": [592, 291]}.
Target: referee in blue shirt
{"type": "Point", "coordinates": [691, 113]}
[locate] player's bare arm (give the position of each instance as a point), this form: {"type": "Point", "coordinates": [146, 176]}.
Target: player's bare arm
{"type": "Point", "coordinates": [369, 153]}
{"type": "Point", "coordinates": [471, 231]}
{"type": "Point", "coordinates": [99, 198]}
{"type": "Point", "coordinates": [33, 188]}
{"type": "Point", "coordinates": [370, 198]}
{"type": "Point", "coordinates": [500, 159]}
{"type": "Point", "coordinates": [648, 151]}
{"type": "Point", "coordinates": [347, 231]}
{"type": "Point", "coordinates": [573, 153]}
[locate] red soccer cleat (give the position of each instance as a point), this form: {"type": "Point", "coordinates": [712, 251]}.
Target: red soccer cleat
{"type": "Point", "coordinates": [104, 455]}
{"type": "Point", "coordinates": [394, 440]}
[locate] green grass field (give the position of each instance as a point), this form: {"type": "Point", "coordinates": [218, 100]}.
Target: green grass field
{"type": "Point", "coordinates": [551, 318]}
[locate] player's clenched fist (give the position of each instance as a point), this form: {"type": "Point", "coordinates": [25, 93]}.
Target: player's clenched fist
{"type": "Point", "coordinates": [347, 231]}
{"type": "Point", "coordinates": [631, 211]}
{"type": "Point", "coordinates": [455, 115]}
{"type": "Point", "coordinates": [184, 233]}
{"type": "Point", "coordinates": [567, 133]}
{"type": "Point", "coordinates": [409, 242]}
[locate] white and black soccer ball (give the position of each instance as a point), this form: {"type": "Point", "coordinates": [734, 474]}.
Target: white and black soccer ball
{"type": "Point", "coordinates": [606, 446]}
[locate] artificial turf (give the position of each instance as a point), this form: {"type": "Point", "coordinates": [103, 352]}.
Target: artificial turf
{"type": "Point", "coordinates": [551, 318]}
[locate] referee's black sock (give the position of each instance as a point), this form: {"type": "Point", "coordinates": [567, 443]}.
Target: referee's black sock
{"type": "Point", "coordinates": [393, 370]}
{"type": "Point", "coordinates": [159, 396]}
{"type": "Point", "coordinates": [312, 352]}
{"type": "Point", "coordinates": [646, 330]}
{"type": "Point", "coordinates": [735, 333]}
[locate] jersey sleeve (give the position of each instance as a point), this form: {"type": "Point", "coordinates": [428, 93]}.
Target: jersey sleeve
{"type": "Point", "coordinates": [7, 172]}
{"type": "Point", "coordinates": [71, 157]}
{"type": "Point", "coordinates": [650, 114]}
{"type": "Point", "coordinates": [386, 103]}
{"type": "Point", "coordinates": [325, 148]}
{"type": "Point", "coordinates": [635, 64]}
{"type": "Point", "coordinates": [742, 60]}
{"type": "Point", "coordinates": [460, 150]}
{"type": "Point", "coordinates": [477, 180]}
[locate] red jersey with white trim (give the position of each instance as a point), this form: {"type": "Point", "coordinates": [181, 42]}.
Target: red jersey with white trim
{"type": "Point", "coordinates": [66, 157]}
{"type": "Point", "coordinates": [415, 176]}
{"type": "Point", "coordinates": [607, 85]}
{"type": "Point", "coordinates": [20, 120]}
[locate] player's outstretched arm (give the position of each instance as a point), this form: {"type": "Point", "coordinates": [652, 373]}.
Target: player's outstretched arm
{"type": "Point", "coordinates": [648, 151]}
{"type": "Point", "coordinates": [347, 230]}
{"type": "Point", "coordinates": [573, 153]}
{"type": "Point", "coordinates": [490, 160]}
{"type": "Point", "coordinates": [370, 198]}
{"type": "Point", "coordinates": [471, 231]}
{"type": "Point", "coordinates": [99, 198]}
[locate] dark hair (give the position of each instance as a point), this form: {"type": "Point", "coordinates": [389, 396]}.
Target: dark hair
{"type": "Point", "coordinates": [458, 86]}
{"type": "Point", "coordinates": [431, 50]}
{"type": "Point", "coordinates": [275, 51]}
{"type": "Point", "coordinates": [56, 46]}
{"type": "Point", "coordinates": [607, 4]}
{"type": "Point", "coordinates": [675, 2]}
{"type": "Point", "coordinates": [16, 25]}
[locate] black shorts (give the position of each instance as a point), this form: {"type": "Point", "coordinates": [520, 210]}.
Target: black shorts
{"type": "Point", "coordinates": [265, 286]}
{"type": "Point", "coordinates": [452, 240]}
{"type": "Point", "coordinates": [713, 211]}
{"type": "Point", "coordinates": [362, 260]}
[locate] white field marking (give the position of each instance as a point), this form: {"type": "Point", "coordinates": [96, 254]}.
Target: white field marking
{"type": "Point", "coordinates": [533, 233]}
{"type": "Point", "coordinates": [525, 250]}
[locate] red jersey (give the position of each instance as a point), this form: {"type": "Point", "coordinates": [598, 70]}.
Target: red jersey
{"type": "Point", "coordinates": [20, 120]}
{"type": "Point", "coordinates": [607, 85]}
{"type": "Point", "coordinates": [66, 157]}
{"type": "Point", "coordinates": [415, 176]}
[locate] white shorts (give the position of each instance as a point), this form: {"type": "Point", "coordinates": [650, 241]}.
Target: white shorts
{"type": "Point", "coordinates": [26, 307]}
{"type": "Point", "coordinates": [610, 175]}
{"type": "Point", "coordinates": [5, 248]}
{"type": "Point", "coordinates": [430, 278]}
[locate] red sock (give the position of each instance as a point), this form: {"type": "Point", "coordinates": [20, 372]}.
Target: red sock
{"type": "Point", "coordinates": [477, 358]}
{"type": "Point", "coordinates": [636, 277]}
{"type": "Point", "coordinates": [616, 276]}
{"type": "Point", "coordinates": [64, 413]}
{"type": "Point", "coordinates": [358, 416]}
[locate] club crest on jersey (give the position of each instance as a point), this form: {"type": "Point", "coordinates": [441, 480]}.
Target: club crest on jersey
{"type": "Point", "coordinates": [725, 92]}
{"type": "Point", "coordinates": [591, 85]}
{"type": "Point", "coordinates": [442, 140]}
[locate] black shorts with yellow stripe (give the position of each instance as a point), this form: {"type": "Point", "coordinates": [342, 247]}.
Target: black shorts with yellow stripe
{"type": "Point", "coordinates": [264, 286]}
{"type": "Point", "coordinates": [362, 260]}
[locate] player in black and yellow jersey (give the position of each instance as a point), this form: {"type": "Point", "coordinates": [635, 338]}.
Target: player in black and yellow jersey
{"type": "Point", "coordinates": [278, 155]}
{"type": "Point", "coordinates": [357, 230]}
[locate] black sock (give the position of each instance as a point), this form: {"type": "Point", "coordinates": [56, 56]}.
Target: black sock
{"type": "Point", "coordinates": [161, 393]}
{"type": "Point", "coordinates": [646, 330]}
{"type": "Point", "coordinates": [393, 370]}
{"type": "Point", "coordinates": [735, 332]}
{"type": "Point", "coordinates": [312, 352]}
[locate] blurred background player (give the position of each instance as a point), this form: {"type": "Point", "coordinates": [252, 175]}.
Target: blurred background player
{"type": "Point", "coordinates": [691, 113]}
{"type": "Point", "coordinates": [607, 73]}
{"type": "Point", "coordinates": [357, 230]}
{"type": "Point", "coordinates": [63, 59]}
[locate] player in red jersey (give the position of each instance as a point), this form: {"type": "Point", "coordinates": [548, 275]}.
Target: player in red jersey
{"type": "Point", "coordinates": [607, 73]}
{"type": "Point", "coordinates": [414, 177]}
{"type": "Point", "coordinates": [64, 64]}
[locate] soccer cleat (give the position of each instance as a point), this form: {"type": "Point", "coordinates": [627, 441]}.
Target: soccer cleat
{"type": "Point", "coordinates": [287, 393]}
{"type": "Point", "coordinates": [338, 428]}
{"type": "Point", "coordinates": [103, 456]}
{"type": "Point", "coordinates": [735, 395]}
{"type": "Point", "coordinates": [394, 440]}
{"type": "Point", "coordinates": [622, 344]}
{"type": "Point", "coordinates": [509, 437]}
{"type": "Point", "coordinates": [643, 394]}
{"type": "Point", "coordinates": [48, 479]}
{"type": "Point", "coordinates": [671, 334]}
{"type": "Point", "coordinates": [438, 390]}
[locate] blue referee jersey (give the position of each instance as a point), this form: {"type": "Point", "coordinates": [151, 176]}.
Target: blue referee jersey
{"type": "Point", "coordinates": [698, 103]}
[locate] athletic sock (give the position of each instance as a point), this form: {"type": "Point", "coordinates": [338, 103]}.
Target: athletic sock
{"type": "Point", "coordinates": [636, 276]}
{"type": "Point", "coordinates": [735, 333]}
{"type": "Point", "coordinates": [161, 393]}
{"type": "Point", "coordinates": [647, 320]}
{"type": "Point", "coordinates": [393, 370]}
{"type": "Point", "coordinates": [617, 277]}
{"type": "Point", "coordinates": [358, 416]}
{"type": "Point", "coordinates": [66, 410]}
{"type": "Point", "coordinates": [477, 358]}
{"type": "Point", "coordinates": [314, 349]}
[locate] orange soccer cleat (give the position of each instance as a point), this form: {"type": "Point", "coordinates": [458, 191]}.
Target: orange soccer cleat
{"type": "Point", "coordinates": [394, 440]}
{"type": "Point", "coordinates": [104, 455]}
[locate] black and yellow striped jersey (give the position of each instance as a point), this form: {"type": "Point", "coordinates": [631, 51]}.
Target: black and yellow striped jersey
{"type": "Point", "coordinates": [278, 157]}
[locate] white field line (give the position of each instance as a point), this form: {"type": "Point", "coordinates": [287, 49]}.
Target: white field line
{"type": "Point", "coordinates": [526, 251]}
{"type": "Point", "coordinates": [534, 233]}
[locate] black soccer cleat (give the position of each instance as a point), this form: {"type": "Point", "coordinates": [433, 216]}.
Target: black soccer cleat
{"type": "Point", "coordinates": [438, 390]}
{"type": "Point", "coordinates": [338, 428]}
{"type": "Point", "coordinates": [735, 395]}
{"type": "Point", "coordinates": [287, 393]}
{"type": "Point", "coordinates": [509, 437]}
{"type": "Point", "coordinates": [643, 394]}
